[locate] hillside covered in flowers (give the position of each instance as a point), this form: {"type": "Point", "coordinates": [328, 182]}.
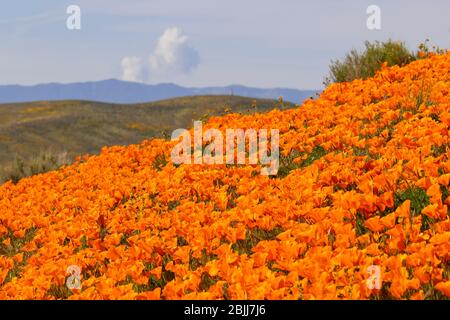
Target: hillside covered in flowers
{"type": "Point", "coordinates": [363, 181]}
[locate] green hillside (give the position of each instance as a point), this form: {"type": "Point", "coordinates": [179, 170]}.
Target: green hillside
{"type": "Point", "coordinates": [78, 127]}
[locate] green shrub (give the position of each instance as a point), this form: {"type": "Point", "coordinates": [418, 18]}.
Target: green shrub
{"type": "Point", "coordinates": [363, 65]}
{"type": "Point", "coordinates": [20, 168]}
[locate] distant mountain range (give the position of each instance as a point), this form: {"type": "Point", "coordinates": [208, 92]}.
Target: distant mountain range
{"type": "Point", "coordinates": [116, 91]}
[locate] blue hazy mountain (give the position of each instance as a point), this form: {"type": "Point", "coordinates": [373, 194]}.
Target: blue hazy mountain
{"type": "Point", "coordinates": [116, 91]}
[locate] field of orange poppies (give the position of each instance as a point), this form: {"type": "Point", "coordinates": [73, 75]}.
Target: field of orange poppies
{"type": "Point", "coordinates": [363, 181]}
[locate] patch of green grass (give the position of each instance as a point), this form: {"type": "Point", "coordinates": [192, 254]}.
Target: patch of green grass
{"type": "Point", "coordinates": [181, 242]}
{"type": "Point", "coordinates": [59, 291]}
{"type": "Point", "coordinates": [364, 152]}
{"type": "Point", "coordinates": [16, 243]}
{"type": "Point", "coordinates": [103, 232]}
{"type": "Point", "coordinates": [153, 282]}
{"type": "Point", "coordinates": [84, 244]}
{"type": "Point", "coordinates": [437, 151]}
{"type": "Point", "coordinates": [427, 222]}
{"type": "Point", "coordinates": [270, 266]}
{"type": "Point", "coordinates": [195, 263]}
{"type": "Point", "coordinates": [15, 247]}
{"type": "Point", "coordinates": [444, 193]}
{"type": "Point", "coordinates": [435, 117]}
{"type": "Point", "coordinates": [418, 197]}
{"type": "Point", "coordinates": [225, 293]}
{"type": "Point", "coordinates": [359, 224]}
{"type": "Point", "coordinates": [172, 205]}
{"type": "Point", "coordinates": [92, 270]}
{"type": "Point", "coordinates": [446, 272]}
{"type": "Point", "coordinates": [124, 240]}
{"type": "Point", "coordinates": [232, 196]}
{"type": "Point", "coordinates": [160, 162]}
{"type": "Point", "coordinates": [287, 163]}
{"type": "Point", "coordinates": [253, 237]}
{"type": "Point", "coordinates": [383, 293]}
{"type": "Point", "coordinates": [207, 281]}
{"type": "Point", "coordinates": [419, 200]}
{"type": "Point", "coordinates": [17, 269]}
{"type": "Point", "coordinates": [430, 293]}
{"type": "Point", "coordinates": [316, 153]}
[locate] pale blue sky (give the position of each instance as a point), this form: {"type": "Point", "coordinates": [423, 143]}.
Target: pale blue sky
{"type": "Point", "coordinates": [263, 43]}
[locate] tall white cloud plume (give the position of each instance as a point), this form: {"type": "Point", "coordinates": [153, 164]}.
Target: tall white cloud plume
{"type": "Point", "coordinates": [173, 52]}
{"type": "Point", "coordinates": [172, 55]}
{"type": "Point", "coordinates": [132, 69]}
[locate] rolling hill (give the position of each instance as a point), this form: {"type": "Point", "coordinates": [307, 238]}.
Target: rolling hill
{"type": "Point", "coordinates": [116, 91]}
{"type": "Point", "coordinates": [80, 127]}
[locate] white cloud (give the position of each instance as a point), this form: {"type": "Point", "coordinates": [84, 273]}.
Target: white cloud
{"type": "Point", "coordinates": [132, 69]}
{"type": "Point", "coordinates": [172, 55]}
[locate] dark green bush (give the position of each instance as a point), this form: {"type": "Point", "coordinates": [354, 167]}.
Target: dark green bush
{"type": "Point", "coordinates": [362, 65]}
